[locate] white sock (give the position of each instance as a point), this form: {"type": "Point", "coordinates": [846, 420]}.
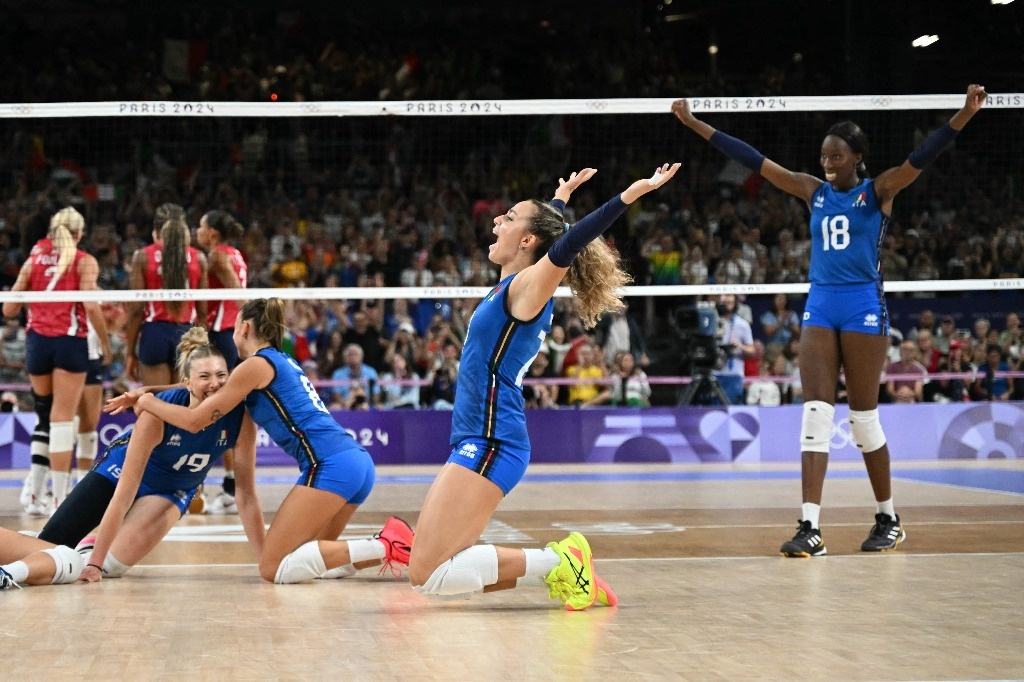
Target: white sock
{"type": "Point", "coordinates": [811, 512]}
{"type": "Point", "coordinates": [18, 571]}
{"type": "Point", "coordinates": [887, 508]}
{"type": "Point", "coordinates": [368, 549]}
{"type": "Point", "coordinates": [60, 481]}
{"type": "Point", "coordinates": [37, 476]}
{"type": "Point", "coordinates": [539, 563]}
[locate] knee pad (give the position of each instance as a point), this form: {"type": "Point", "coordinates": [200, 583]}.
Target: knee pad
{"type": "Point", "coordinates": [866, 430]}
{"type": "Point", "coordinates": [469, 571]}
{"type": "Point", "coordinates": [816, 428]}
{"type": "Point", "coordinates": [62, 436]}
{"type": "Point", "coordinates": [69, 564]}
{"type": "Point", "coordinates": [305, 563]}
{"type": "Point", "coordinates": [88, 445]}
{"type": "Point", "coordinates": [41, 432]}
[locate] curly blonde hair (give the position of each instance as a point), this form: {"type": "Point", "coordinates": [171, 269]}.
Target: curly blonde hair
{"type": "Point", "coordinates": [596, 274]}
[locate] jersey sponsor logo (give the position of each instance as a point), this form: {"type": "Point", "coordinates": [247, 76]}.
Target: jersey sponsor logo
{"type": "Point", "coordinates": [468, 451]}
{"type": "Point", "coordinates": [861, 200]}
{"type": "Point", "coordinates": [819, 201]}
{"type": "Point", "coordinates": [175, 440]}
{"type": "Point", "coordinates": [871, 320]}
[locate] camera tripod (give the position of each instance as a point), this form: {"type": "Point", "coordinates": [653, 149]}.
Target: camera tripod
{"type": "Point", "coordinates": [702, 378]}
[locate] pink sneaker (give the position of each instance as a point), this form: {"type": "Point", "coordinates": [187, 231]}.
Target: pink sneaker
{"type": "Point", "coordinates": [397, 536]}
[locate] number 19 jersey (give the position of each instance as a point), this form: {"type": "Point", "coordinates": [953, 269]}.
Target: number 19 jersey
{"type": "Point", "coordinates": [847, 229]}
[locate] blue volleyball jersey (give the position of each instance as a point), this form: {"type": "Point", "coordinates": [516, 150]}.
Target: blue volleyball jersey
{"type": "Point", "coordinates": [292, 413]}
{"type": "Point", "coordinates": [182, 459]}
{"type": "Point", "coordinates": [498, 351]}
{"type": "Point", "coordinates": [847, 229]}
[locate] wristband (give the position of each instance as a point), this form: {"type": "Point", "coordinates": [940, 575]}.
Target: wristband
{"type": "Point", "coordinates": [98, 568]}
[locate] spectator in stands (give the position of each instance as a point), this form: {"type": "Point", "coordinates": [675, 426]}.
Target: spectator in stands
{"type": "Point", "coordinates": [737, 341]}
{"type": "Point", "coordinates": [618, 331]}
{"type": "Point", "coordinates": [586, 393]}
{"type": "Point", "coordinates": [362, 334]}
{"type": "Point", "coordinates": [541, 395]}
{"type": "Point", "coordinates": [558, 346]}
{"type": "Point", "coordinates": [396, 395]}
{"type": "Point", "coordinates": [945, 333]}
{"type": "Point", "coordinates": [780, 323]}
{"type": "Point", "coordinates": [906, 390]}
{"type": "Point", "coordinates": [354, 371]}
{"type": "Point", "coordinates": [1012, 336]}
{"type": "Point", "coordinates": [952, 389]}
{"type": "Point", "coordinates": [289, 270]}
{"type": "Point", "coordinates": [694, 269]}
{"type": "Point", "coordinates": [631, 388]}
{"type": "Point", "coordinates": [12, 352]}
{"type": "Point", "coordinates": [765, 391]}
{"type": "Point", "coordinates": [927, 354]}
{"type": "Point", "coordinates": [988, 386]}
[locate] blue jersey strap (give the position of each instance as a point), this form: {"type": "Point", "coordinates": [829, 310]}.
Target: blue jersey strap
{"type": "Point", "coordinates": [564, 251]}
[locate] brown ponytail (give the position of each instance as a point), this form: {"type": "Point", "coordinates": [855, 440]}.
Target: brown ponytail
{"type": "Point", "coordinates": [174, 266]}
{"type": "Point", "coordinates": [267, 318]}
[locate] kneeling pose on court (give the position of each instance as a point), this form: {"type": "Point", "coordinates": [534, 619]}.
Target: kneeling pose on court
{"type": "Point", "coordinates": [143, 482]}
{"type": "Point", "coordinates": [535, 249]}
{"type": "Point", "coordinates": [336, 473]}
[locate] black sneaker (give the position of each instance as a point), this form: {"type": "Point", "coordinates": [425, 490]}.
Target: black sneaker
{"type": "Point", "coordinates": [885, 534]}
{"type": "Point", "coordinates": [807, 542]}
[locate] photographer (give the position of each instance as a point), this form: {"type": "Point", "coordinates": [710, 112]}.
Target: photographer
{"type": "Point", "coordinates": [736, 341]}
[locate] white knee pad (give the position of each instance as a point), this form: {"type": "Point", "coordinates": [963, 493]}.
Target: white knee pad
{"type": "Point", "coordinates": [69, 564]}
{"type": "Point", "coordinates": [816, 428]}
{"type": "Point", "coordinates": [469, 571]}
{"type": "Point", "coordinates": [62, 436]}
{"type": "Point", "coordinates": [866, 430]}
{"type": "Point", "coordinates": [88, 443]}
{"type": "Point", "coordinates": [112, 567]}
{"type": "Point", "coordinates": [305, 563]}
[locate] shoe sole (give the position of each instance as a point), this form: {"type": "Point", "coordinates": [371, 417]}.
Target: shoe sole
{"type": "Point", "coordinates": [804, 555]}
{"type": "Point", "coordinates": [901, 538]}
{"type": "Point", "coordinates": [605, 595]}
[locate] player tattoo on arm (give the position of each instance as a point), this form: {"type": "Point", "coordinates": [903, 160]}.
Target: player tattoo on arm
{"type": "Point", "coordinates": [215, 416]}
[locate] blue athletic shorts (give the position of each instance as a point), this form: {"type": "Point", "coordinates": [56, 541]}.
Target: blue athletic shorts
{"type": "Point", "coordinates": [110, 469]}
{"type": "Point", "coordinates": [158, 342]}
{"type": "Point", "coordinates": [224, 341]}
{"type": "Point", "coordinates": [94, 375]}
{"type": "Point", "coordinates": [848, 308]}
{"type": "Point", "coordinates": [500, 464]}
{"type": "Point", "coordinates": [43, 354]}
{"type": "Point", "coordinates": [349, 473]}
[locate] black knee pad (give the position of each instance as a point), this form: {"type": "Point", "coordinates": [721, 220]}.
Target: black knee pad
{"type": "Point", "coordinates": [43, 405]}
{"type": "Point", "coordinates": [80, 513]}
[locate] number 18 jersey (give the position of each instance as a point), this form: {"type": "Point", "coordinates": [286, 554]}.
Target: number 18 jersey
{"type": "Point", "coordinates": [847, 229]}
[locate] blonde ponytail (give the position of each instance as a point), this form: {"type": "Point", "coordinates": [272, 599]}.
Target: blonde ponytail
{"type": "Point", "coordinates": [64, 226]}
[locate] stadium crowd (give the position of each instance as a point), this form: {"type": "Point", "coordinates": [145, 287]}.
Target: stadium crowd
{"type": "Point", "coordinates": [391, 216]}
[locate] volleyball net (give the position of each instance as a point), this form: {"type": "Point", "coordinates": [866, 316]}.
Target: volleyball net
{"type": "Point", "coordinates": [355, 172]}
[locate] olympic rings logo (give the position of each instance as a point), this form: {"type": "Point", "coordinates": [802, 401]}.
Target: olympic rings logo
{"type": "Point", "coordinates": [599, 105]}
{"type": "Point", "coordinates": [23, 109]}
{"type": "Point", "coordinates": [312, 108]}
{"type": "Point", "coordinates": [841, 436]}
{"type": "Point", "coordinates": [111, 432]}
{"type": "Point", "coordinates": [881, 101]}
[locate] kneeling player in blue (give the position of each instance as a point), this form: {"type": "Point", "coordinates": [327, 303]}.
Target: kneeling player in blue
{"type": "Point", "coordinates": [143, 482]}
{"type": "Point", "coordinates": [336, 473]}
{"type": "Point", "coordinates": [535, 249]}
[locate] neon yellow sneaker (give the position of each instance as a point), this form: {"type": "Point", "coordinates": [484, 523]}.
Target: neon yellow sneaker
{"type": "Point", "coordinates": [572, 580]}
{"type": "Point", "coordinates": [605, 595]}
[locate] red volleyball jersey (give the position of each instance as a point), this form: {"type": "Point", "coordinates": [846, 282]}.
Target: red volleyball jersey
{"type": "Point", "coordinates": [55, 319]}
{"type": "Point", "coordinates": [156, 311]}
{"type": "Point", "coordinates": [221, 314]}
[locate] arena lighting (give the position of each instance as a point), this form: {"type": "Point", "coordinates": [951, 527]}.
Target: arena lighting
{"type": "Point", "coordinates": [712, 49]}
{"type": "Point", "coordinates": [924, 41]}
{"type": "Point", "coordinates": [669, 18]}
{"type": "Point", "coordinates": [1001, 2]}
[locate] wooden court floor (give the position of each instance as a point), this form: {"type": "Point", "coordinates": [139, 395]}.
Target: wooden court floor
{"type": "Point", "coordinates": [691, 551]}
